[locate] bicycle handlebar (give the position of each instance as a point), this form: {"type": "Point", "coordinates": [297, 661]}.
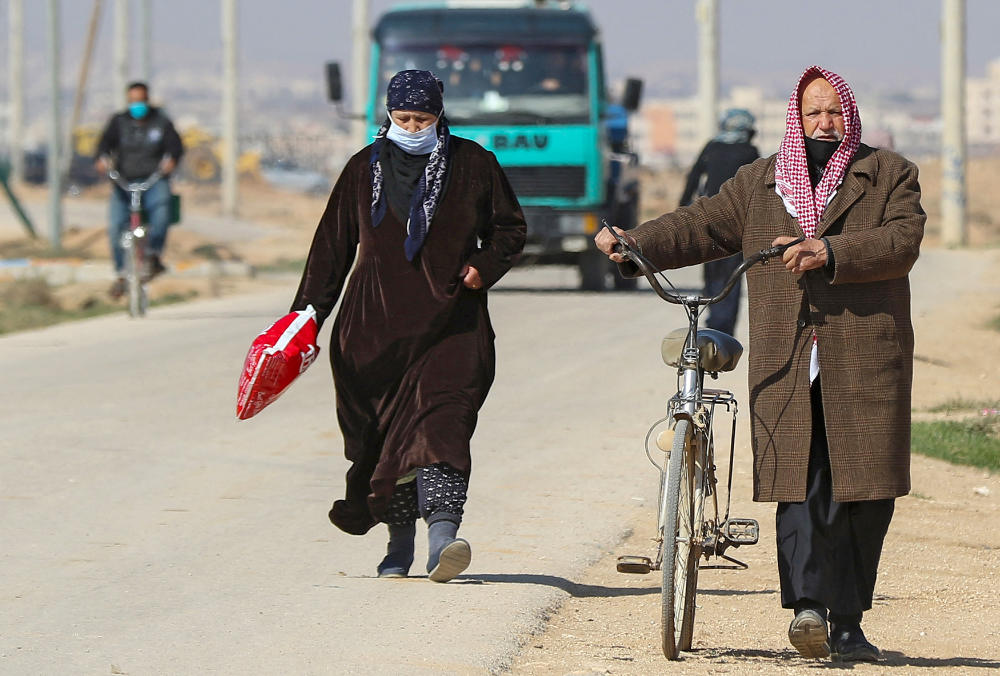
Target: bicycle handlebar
{"type": "Point", "coordinates": [141, 186]}
{"type": "Point", "coordinates": [646, 268]}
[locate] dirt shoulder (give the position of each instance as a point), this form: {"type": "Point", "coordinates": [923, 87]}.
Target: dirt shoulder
{"type": "Point", "coordinates": [938, 578]}
{"type": "Point", "coordinates": [207, 255]}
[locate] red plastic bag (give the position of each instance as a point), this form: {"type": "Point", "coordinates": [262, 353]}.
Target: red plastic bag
{"type": "Point", "coordinates": [277, 357]}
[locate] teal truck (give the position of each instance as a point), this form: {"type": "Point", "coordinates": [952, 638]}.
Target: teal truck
{"type": "Point", "coordinates": [525, 80]}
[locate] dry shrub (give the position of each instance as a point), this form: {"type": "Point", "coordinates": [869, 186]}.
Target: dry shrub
{"type": "Point", "coordinates": [27, 293]}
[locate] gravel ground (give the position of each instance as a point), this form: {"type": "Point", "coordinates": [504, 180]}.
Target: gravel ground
{"type": "Point", "coordinates": [938, 579]}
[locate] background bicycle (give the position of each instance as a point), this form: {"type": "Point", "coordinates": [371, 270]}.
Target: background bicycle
{"type": "Point", "coordinates": [138, 268]}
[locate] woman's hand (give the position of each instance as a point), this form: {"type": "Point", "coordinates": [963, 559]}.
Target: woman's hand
{"type": "Point", "coordinates": [470, 277]}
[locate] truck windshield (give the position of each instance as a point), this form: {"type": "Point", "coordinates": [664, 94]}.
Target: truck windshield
{"type": "Point", "coordinates": [501, 83]}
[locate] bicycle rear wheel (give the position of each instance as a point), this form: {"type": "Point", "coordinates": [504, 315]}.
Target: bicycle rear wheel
{"type": "Point", "coordinates": [680, 553]}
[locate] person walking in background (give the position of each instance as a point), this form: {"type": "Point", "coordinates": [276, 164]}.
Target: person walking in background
{"type": "Point", "coordinates": [718, 162]}
{"type": "Point", "coordinates": [138, 142]}
{"type": "Point", "coordinates": [434, 224]}
{"type": "Point", "coordinates": [831, 347]}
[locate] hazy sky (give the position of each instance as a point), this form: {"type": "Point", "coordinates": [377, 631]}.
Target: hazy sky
{"type": "Point", "coordinates": [874, 44]}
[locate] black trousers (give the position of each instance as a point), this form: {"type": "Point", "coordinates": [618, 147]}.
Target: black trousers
{"type": "Point", "coordinates": [828, 551]}
{"type": "Point", "coordinates": [722, 315]}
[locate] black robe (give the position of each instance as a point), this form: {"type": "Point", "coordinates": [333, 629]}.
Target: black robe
{"type": "Point", "coordinates": [412, 347]}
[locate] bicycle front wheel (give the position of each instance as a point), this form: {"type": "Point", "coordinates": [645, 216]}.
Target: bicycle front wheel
{"type": "Point", "coordinates": [680, 552]}
{"type": "Point", "coordinates": [133, 278]}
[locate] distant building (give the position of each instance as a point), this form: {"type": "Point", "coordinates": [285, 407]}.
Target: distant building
{"type": "Point", "coordinates": [669, 134]}
{"type": "Point", "coordinates": [668, 128]}
{"type": "Point", "coordinates": [982, 107]}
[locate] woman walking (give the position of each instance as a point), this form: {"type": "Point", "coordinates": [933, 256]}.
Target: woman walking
{"type": "Point", "coordinates": [433, 224]}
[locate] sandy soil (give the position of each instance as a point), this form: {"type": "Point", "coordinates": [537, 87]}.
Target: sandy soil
{"type": "Point", "coordinates": [277, 230]}
{"type": "Point", "coordinates": [938, 580]}
{"type": "Point", "coordinates": [284, 222]}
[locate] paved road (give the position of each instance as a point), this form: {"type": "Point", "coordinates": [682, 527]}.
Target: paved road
{"type": "Point", "coordinates": [146, 531]}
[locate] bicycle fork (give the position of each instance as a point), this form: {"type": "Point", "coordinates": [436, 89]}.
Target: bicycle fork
{"type": "Point", "coordinates": [684, 405]}
{"type": "Point", "coordinates": [713, 537]}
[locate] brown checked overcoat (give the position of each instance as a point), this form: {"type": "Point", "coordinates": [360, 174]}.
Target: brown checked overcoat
{"type": "Point", "coordinates": [860, 313]}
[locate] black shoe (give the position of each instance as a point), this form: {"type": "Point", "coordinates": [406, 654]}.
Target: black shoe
{"type": "Point", "coordinates": [848, 644]}
{"type": "Point", "coordinates": [117, 289]}
{"type": "Point", "coordinates": [807, 633]}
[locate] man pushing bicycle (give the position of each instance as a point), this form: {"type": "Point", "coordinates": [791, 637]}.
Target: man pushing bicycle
{"type": "Point", "coordinates": [831, 346]}
{"type": "Point", "coordinates": [139, 141]}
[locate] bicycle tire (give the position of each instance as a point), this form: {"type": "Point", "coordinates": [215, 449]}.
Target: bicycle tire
{"type": "Point", "coordinates": [133, 277]}
{"type": "Point", "coordinates": [680, 557]}
{"type": "Point", "coordinates": [693, 482]}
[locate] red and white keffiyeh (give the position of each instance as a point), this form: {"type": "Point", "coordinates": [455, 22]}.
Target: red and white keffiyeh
{"type": "Point", "coordinates": [791, 171]}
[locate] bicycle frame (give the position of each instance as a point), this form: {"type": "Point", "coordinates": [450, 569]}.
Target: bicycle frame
{"type": "Point", "coordinates": [687, 478]}
{"type": "Point", "coordinates": [694, 403]}
{"type": "Point", "coordinates": [133, 239]}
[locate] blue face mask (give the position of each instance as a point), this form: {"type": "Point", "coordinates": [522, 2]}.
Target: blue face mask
{"type": "Point", "coordinates": [138, 109]}
{"type": "Point", "coordinates": [413, 142]}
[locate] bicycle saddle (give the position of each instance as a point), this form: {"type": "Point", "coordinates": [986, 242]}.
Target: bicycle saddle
{"type": "Point", "coordinates": [719, 351]}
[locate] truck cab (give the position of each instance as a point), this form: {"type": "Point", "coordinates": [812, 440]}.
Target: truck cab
{"type": "Point", "coordinates": [526, 81]}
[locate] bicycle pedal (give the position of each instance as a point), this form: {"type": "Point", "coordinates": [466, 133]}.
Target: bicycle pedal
{"type": "Point", "coordinates": [742, 531]}
{"type": "Point", "coordinates": [634, 564]}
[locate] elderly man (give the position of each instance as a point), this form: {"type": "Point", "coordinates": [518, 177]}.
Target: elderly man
{"type": "Point", "coordinates": [831, 347]}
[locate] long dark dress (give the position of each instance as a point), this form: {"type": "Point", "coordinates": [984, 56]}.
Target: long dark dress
{"type": "Point", "coordinates": [412, 347]}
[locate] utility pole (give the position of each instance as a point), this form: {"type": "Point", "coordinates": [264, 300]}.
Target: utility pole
{"type": "Point", "coordinates": [145, 41]}
{"type": "Point", "coordinates": [707, 15]}
{"type": "Point", "coordinates": [120, 68]}
{"type": "Point", "coordinates": [359, 71]}
{"type": "Point", "coordinates": [953, 225]}
{"type": "Point", "coordinates": [52, 163]}
{"type": "Point", "coordinates": [15, 80]}
{"type": "Point", "coordinates": [229, 108]}
{"type": "Point", "coordinates": [81, 85]}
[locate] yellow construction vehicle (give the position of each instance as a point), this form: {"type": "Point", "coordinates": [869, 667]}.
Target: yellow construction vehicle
{"type": "Point", "coordinates": [201, 157]}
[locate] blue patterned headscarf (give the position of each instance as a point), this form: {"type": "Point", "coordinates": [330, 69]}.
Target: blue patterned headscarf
{"type": "Point", "coordinates": [736, 126]}
{"type": "Point", "coordinates": [414, 90]}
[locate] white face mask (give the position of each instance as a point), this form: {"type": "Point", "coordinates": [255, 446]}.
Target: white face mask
{"type": "Point", "coordinates": [414, 142]}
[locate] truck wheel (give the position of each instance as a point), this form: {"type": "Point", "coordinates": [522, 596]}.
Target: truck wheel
{"type": "Point", "coordinates": [593, 270]}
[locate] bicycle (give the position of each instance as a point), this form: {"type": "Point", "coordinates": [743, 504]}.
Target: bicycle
{"type": "Point", "coordinates": [133, 241]}
{"type": "Point", "coordinates": [685, 533]}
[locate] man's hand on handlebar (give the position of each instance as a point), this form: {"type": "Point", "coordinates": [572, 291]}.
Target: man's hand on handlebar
{"type": "Point", "coordinates": [809, 254]}
{"type": "Point", "coordinates": [606, 242]}
{"type": "Point", "coordinates": [102, 164]}
{"type": "Point", "coordinates": [167, 165]}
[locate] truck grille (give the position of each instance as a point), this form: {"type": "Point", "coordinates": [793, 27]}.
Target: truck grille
{"type": "Point", "coordinates": [560, 181]}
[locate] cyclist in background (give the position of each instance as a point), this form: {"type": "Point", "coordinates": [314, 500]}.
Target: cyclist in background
{"type": "Point", "coordinates": [718, 162]}
{"type": "Point", "coordinates": [139, 141]}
